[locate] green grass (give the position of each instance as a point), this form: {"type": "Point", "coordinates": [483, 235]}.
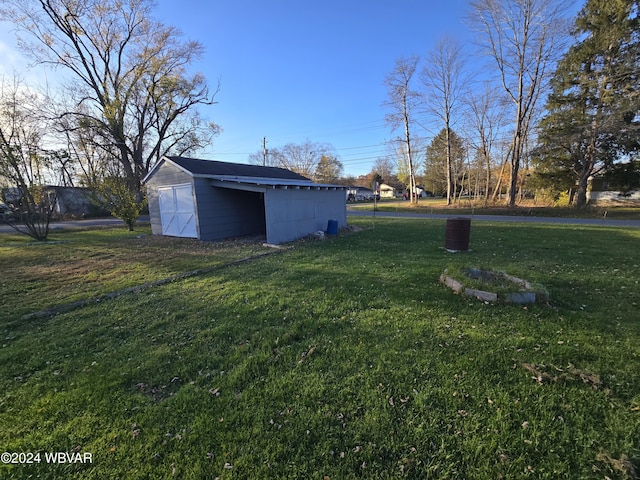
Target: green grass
{"type": "Point", "coordinates": [81, 264]}
{"type": "Point", "coordinates": [344, 358]}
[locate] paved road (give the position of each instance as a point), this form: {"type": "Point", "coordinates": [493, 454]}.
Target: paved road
{"type": "Point", "coordinates": [92, 222]}
{"type": "Point", "coordinates": [95, 222]}
{"type": "Point", "coordinates": [503, 218]}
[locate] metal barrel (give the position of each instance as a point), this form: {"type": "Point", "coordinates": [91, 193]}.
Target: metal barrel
{"type": "Point", "coordinates": [457, 234]}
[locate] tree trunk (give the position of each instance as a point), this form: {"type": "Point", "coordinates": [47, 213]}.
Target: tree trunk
{"type": "Point", "coordinates": [580, 199]}
{"type": "Point", "coordinates": [496, 192]}
{"type": "Point", "coordinates": [516, 154]}
{"type": "Point", "coordinates": [450, 191]}
{"type": "Point", "coordinates": [487, 186]}
{"type": "Point", "coordinates": [412, 178]}
{"type": "Point", "coordinates": [588, 163]}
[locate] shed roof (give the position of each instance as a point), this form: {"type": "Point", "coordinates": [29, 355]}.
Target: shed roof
{"type": "Point", "coordinates": [216, 169]}
{"type": "Point", "coordinates": [233, 175]}
{"type": "Point", "coordinates": [212, 167]}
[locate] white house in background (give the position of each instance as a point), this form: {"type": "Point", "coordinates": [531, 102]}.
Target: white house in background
{"type": "Point", "coordinates": [387, 191]}
{"type": "Point", "coordinates": [599, 193]}
{"type": "Point", "coordinates": [212, 200]}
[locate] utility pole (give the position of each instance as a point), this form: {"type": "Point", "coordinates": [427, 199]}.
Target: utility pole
{"type": "Point", "coordinates": [264, 151]}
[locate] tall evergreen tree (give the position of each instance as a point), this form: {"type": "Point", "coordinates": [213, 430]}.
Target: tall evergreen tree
{"type": "Point", "coordinates": [591, 120]}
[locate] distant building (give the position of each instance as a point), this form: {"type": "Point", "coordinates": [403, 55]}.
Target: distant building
{"type": "Point", "coordinates": [387, 191]}
{"type": "Point", "coordinates": [76, 202]}
{"type": "Point", "coordinates": [600, 193]}
{"type": "Point", "coordinates": [359, 194]}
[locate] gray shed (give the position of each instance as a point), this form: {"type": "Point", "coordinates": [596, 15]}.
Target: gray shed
{"type": "Point", "coordinates": [212, 200]}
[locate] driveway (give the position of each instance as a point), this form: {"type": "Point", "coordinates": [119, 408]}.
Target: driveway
{"type": "Point", "coordinates": [501, 218]}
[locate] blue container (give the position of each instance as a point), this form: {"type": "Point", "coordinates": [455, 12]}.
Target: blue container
{"type": "Point", "coordinates": [332, 227]}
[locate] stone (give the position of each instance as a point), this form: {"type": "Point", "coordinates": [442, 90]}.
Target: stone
{"type": "Point", "coordinates": [520, 297]}
{"type": "Point", "coordinates": [481, 295]}
{"type": "Point", "coordinates": [452, 283]}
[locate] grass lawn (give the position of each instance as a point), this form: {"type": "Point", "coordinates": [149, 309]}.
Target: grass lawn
{"type": "Point", "coordinates": [343, 358]}
{"type": "Point", "coordinates": [81, 264]}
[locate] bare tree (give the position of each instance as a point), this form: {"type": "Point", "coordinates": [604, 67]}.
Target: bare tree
{"type": "Point", "coordinates": [398, 155]}
{"type": "Point", "coordinates": [444, 86]}
{"type": "Point", "coordinates": [521, 36]}
{"type": "Point", "coordinates": [302, 158]}
{"type": "Point", "coordinates": [402, 100]}
{"type": "Point", "coordinates": [24, 163]}
{"type": "Point", "coordinates": [265, 157]}
{"type": "Point", "coordinates": [385, 167]}
{"type": "Point", "coordinates": [92, 162]}
{"type": "Point", "coordinates": [485, 117]}
{"type": "Point", "coordinates": [128, 77]}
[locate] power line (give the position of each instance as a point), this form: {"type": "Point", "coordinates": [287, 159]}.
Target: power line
{"type": "Point", "coordinates": [336, 149]}
{"type": "Point", "coordinates": [349, 156]}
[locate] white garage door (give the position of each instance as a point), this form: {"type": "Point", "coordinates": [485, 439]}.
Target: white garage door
{"type": "Point", "coordinates": [177, 211]}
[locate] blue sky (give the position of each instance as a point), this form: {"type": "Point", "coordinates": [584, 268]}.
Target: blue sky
{"type": "Point", "coordinates": [292, 70]}
{"type": "Point", "coordinates": [295, 70]}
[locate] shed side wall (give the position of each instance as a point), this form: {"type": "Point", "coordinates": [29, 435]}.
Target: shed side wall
{"type": "Point", "coordinates": [295, 213]}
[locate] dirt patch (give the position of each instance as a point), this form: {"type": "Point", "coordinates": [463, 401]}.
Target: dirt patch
{"type": "Point", "coordinates": [158, 393]}
{"type": "Point", "coordinates": [622, 465]}
{"type": "Point", "coordinates": [193, 245]}
{"type": "Point", "coordinates": [145, 286]}
{"type": "Point", "coordinates": [552, 374]}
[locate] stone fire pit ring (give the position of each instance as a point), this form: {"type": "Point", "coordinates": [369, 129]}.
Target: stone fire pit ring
{"type": "Point", "coordinates": [492, 286]}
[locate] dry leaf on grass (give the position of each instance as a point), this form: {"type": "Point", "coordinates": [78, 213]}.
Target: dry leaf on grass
{"type": "Point", "coordinates": [621, 465]}
{"type": "Point", "coordinates": [307, 354]}
{"type": "Point", "coordinates": [570, 374]}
